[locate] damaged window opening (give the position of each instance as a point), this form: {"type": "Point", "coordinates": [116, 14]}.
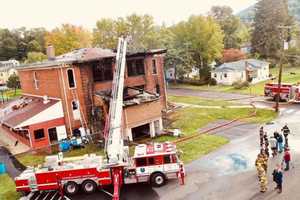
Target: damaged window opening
{"type": "Point", "coordinates": [74, 105]}
{"type": "Point", "coordinates": [71, 78]}
{"type": "Point", "coordinates": [154, 70]}
{"type": "Point", "coordinates": [102, 70]}
{"type": "Point", "coordinates": [135, 67]}
{"type": "Point", "coordinates": [157, 89]}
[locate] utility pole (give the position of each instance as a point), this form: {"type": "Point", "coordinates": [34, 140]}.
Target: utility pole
{"type": "Point", "coordinates": [281, 63]}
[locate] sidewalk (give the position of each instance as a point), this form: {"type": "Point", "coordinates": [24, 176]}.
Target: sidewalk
{"type": "Point", "coordinates": [9, 141]}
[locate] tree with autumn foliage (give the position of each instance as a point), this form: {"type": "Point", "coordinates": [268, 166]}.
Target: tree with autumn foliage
{"type": "Point", "coordinates": [68, 37]}
{"type": "Point", "coordinates": [231, 55]}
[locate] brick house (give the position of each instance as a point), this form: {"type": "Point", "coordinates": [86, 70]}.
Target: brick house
{"type": "Point", "coordinates": [81, 81]}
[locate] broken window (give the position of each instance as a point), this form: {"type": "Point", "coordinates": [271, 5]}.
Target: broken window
{"type": "Point", "coordinates": [39, 134]}
{"type": "Point", "coordinates": [154, 70]}
{"type": "Point", "coordinates": [157, 89]}
{"type": "Point", "coordinates": [102, 70]}
{"type": "Point", "coordinates": [225, 75]}
{"type": "Point", "coordinates": [135, 67]}
{"type": "Point", "coordinates": [74, 105]}
{"type": "Point", "coordinates": [71, 78]}
{"type": "Point", "coordinates": [35, 80]}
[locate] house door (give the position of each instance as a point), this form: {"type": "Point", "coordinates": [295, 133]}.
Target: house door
{"type": "Point", "coordinates": [52, 135]}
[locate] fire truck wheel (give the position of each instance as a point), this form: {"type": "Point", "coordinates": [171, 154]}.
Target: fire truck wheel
{"type": "Point", "coordinates": [89, 186]}
{"type": "Point", "coordinates": [71, 188]}
{"type": "Point", "coordinates": [158, 179]}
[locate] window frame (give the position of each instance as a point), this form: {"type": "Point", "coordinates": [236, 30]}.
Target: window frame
{"type": "Point", "coordinates": [154, 67]}
{"type": "Point", "coordinates": [134, 68]}
{"type": "Point", "coordinates": [34, 134]}
{"type": "Point", "coordinates": [35, 80]}
{"type": "Point", "coordinates": [97, 70]}
{"type": "Point", "coordinates": [74, 79]}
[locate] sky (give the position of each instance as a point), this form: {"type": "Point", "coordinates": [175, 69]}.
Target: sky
{"type": "Point", "coordinates": [52, 13]}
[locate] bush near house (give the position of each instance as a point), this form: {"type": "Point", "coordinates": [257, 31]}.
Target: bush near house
{"type": "Point", "coordinates": [240, 84]}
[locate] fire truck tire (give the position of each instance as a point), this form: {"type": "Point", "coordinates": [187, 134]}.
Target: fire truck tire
{"type": "Point", "coordinates": [89, 186]}
{"type": "Point", "coordinates": [71, 188]}
{"type": "Point", "coordinates": [158, 179]}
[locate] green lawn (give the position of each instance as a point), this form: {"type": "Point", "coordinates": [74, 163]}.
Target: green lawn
{"type": "Point", "coordinates": [7, 188]}
{"type": "Point", "coordinates": [10, 94]}
{"type": "Point", "coordinates": [197, 101]}
{"type": "Point", "coordinates": [29, 159]}
{"type": "Point", "coordinates": [256, 89]}
{"type": "Point", "coordinates": [202, 145]}
{"type": "Point", "coordinates": [189, 120]}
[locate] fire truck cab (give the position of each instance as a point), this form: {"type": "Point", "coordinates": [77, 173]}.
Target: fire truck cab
{"type": "Point", "coordinates": [154, 163]}
{"type": "Point", "coordinates": [288, 92]}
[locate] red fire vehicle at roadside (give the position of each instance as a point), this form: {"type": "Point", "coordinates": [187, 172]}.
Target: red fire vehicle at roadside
{"type": "Point", "coordinates": [154, 163]}
{"type": "Point", "coordinates": [288, 92]}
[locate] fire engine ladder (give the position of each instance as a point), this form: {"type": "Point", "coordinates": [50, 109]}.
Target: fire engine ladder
{"type": "Point", "coordinates": [117, 153]}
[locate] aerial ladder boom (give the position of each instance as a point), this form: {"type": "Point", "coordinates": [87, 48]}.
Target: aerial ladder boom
{"type": "Point", "coordinates": [117, 153]}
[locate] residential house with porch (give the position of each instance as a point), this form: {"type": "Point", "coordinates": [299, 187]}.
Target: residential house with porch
{"type": "Point", "coordinates": [250, 70]}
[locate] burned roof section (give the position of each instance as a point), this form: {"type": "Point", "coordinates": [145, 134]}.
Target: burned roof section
{"type": "Point", "coordinates": [86, 55]}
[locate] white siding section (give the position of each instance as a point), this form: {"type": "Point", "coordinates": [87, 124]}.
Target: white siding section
{"type": "Point", "coordinates": [51, 113]}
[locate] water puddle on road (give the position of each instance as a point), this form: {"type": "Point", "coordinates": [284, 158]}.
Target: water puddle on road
{"type": "Point", "coordinates": [231, 163]}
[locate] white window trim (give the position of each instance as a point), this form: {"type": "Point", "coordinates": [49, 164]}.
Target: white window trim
{"type": "Point", "coordinates": [75, 85]}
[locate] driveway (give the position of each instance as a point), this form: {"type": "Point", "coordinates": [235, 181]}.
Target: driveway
{"type": "Point", "coordinates": [208, 94]}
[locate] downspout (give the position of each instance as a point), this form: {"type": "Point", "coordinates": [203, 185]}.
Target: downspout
{"type": "Point", "coordinates": [65, 97]}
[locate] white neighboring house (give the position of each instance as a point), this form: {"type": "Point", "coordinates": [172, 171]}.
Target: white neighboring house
{"type": "Point", "coordinates": [7, 68]}
{"type": "Point", "coordinates": [251, 70]}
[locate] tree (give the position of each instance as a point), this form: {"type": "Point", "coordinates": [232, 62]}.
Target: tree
{"type": "Point", "coordinates": [13, 82]}
{"type": "Point", "coordinates": [266, 38]}
{"type": "Point", "coordinates": [17, 43]}
{"type": "Point", "coordinates": [230, 24]}
{"type": "Point", "coordinates": [67, 38]}
{"type": "Point", "coordinates": [8, 45]}
{"type": "Point", "coordinates": [140, 29]}
{"type": "Point", "coordinates": [35, 57]}
{"type": "Point", "coordinates": [231, 55]}
{"type": "Point", "coordinates": [200, 40]}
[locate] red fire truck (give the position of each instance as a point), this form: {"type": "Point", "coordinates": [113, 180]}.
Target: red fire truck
{"type": "Point", "coordinates": [154, 163]}
{"type": "Point", "coordinates": [288, 92]}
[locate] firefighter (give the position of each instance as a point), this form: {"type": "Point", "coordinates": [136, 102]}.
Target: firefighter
{"type": "Point", "coordinates": [261, 136]}
{"type": "Point", "coordinates": [262, 175]}
{"type": "Point", "coordinates": [286, 131]}
{"type": "Point", "coordinates": [266, 143]}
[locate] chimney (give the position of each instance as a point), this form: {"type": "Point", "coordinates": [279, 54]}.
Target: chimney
{"type": "Point", "coordinates": [51, 52]}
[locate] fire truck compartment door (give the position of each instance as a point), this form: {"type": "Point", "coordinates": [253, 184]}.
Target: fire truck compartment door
{"type": "Point", "coordinates": [171, 167]}
{"type": "Point", "coordinates": [61, 132]}
{"type": "Point", "coordinates": [147, 170]}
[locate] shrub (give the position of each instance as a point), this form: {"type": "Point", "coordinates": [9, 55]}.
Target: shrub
{"type": "Point", "coordinates": [212, 82]}
{"type": "Point", "coordinates": [240, 84]}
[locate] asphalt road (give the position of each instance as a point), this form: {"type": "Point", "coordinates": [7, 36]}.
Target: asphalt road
{"type": "Point", "coordinates": [13, 167]}
{"type": "Point", "coordinates": [229, 172]}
